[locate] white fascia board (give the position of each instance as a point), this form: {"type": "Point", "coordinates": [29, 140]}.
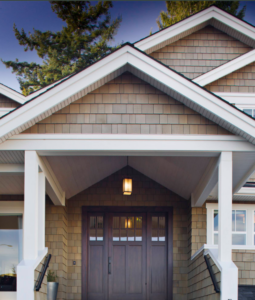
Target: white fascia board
{"type": "Point", "coordinates": [199, 18]}
{"type": "Point", "coordinates": [13, 122]}
{"type": "Point", "coordinates": [5, 110]}
{"type": "Point", "coordinates": [206, 184]}
{"type": "Point", "coordinates": [247, 191]}
{"type": "Point", "coordinates": [239, 99]}
{"type": "Point", "coordinates": [122, 143]}
{"type": "Point", "coordinates": [226, 68]}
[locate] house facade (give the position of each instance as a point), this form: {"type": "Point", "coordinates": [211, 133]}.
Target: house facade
{"type": "Point", "coordinates": [172, 113]}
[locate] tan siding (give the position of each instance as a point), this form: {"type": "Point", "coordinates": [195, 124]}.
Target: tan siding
{"type": "Point", "coordinates": [245, 261]}
{"type": "Point", "coordinates": [240, 81]}
{"type": "Point", "coordinates": [42, 294]}
{"type": "Point", "coordinates": [200, 52]}
{"type": "Point", "coordinates": [7, 102]}
{"type": "Point", "coordinates": [200, 283]}
{"type": "Point", "coordinates": [56, 241]}
{"type": "Point", "coordinates": [127, 105]}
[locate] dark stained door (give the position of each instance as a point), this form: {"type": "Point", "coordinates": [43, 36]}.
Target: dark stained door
{"type": "Point", "coordinates": [127, 256]}
{"type": "Point", "coordinates": [127, 253]}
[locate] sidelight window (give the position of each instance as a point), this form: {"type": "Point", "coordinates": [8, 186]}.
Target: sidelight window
{"type": "Point", "coordinates": [158, 229]}
{"type": "Point", "coordinates": [96, 228]}
{"type": "Point", "coordinates": [127, 228]}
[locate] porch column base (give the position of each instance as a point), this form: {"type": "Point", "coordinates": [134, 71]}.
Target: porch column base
{"type": "Point", "coordinates": [229, 281]}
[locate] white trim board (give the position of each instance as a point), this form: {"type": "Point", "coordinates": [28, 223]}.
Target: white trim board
{"type": "Point", "coordinates": [239, 99]}
{"type": "Point", "coordinates": [127, 143]}
{"type": "Point", "coordinates": [128, 58]}
{"type": "Point", "coordinates": [226, 68]}
{"type": "Point", "coordinates": [5, 110]}
{"type": "Point", "coordinates": [210, 16]}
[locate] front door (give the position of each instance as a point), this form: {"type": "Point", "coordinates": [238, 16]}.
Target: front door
{"type": "Point", "coordinates": [127, 253]}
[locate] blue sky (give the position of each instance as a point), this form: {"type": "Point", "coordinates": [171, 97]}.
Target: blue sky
{"type": "Point", "coordinates": [138, 18]}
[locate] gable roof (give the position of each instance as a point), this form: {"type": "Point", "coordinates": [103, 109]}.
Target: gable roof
{"type": "Point", "coordinates": [225, 69]}
{"type": "Point", "coordinates": [213, 15]}
{"type": "Point", "coordinates": [128, 58]}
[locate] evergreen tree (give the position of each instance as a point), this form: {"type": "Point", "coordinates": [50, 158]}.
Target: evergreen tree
{"type": "Point", "coordinates": [179, 10]}
{"type": "Point", "coordinates": [83, 40]}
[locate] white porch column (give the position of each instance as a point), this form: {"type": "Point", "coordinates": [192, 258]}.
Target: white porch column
{"type": "Point", "coordinates": [229, 273]}
{"type": "Point", "coordinates": [41, 211]}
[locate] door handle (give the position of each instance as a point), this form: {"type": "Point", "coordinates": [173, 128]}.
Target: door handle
{"type": "Point", "coordinates": [109, 265]}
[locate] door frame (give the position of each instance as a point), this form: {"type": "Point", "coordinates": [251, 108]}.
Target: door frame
{"type": "Point", "coordinates": [127, 209]}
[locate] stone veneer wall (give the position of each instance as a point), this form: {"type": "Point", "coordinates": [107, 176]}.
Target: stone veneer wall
{"type": "Point", "coordinates": [240, 81]}
{"type": "Point", "coordinates": [200, 52]}
{"type": "Point", "coordinates": [7, 102]}
{"type": "Point", "coordinates": [56, 237]}
{"type": "Point", "coordinates": [42, 294]}
{"type": "Point", "coordinates": [127, 105]}
{"type": "Point", "coordinates": [200, 284]}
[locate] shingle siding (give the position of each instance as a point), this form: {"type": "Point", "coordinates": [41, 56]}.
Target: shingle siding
{"type": "Point", "coordinates": [240, 81]}
{"type": "Point", "coordinates": [200, 52]}
{"type": "Point", "coordinates": [7, 102]}
{"type": "Point", "coordinates": [127, 105]}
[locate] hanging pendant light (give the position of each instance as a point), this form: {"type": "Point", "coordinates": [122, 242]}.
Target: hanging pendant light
{"type": "Point", "coordinates": [127, 184]}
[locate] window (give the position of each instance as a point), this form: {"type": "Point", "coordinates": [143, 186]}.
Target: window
{"type": "Point", "coordinates": [10, 250]}
{"type": "Point", "coordinates": [127, 228]}
{"type": "Point", "coordinates": [96, 228]}
{"type": "Point", "coordinates": [250, 111]}
{"type": "Point", "coordinates": [238, 227]}
{"type": "Point", "coordinates": [254, 227]}
{"type": "Point", "coordinates": [158, 229]}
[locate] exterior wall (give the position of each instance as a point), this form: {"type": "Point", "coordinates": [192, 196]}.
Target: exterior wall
{"type": "Point", "coordinates": [109, 192]}
{"type": "Point", "coordinates": [42, 294]}
{"type": "Point", "coordinates": [56, 241]}
{"type": "Point", "coordinates": [200, 52]}
{"type": "Point", "coordinates": [200, 284]}
{"type": "Point", "coordinates": [127, 105]}
{"type": "Point", "coordinates": [241, 81]}
{"type": "Point", "coordinates": [7, 102]}
{"type": "Point", "coordinates": [245, 261]}
{"type": "Point", "coordinates": [197, 229]}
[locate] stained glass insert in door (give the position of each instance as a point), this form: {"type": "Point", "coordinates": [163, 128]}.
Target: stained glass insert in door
{"type": "Point", "coordinates": [127, 229]}
{"type": "Point", "coordinates": [158, 224]}
{"type": "Point", "coordinates": [96, 228]}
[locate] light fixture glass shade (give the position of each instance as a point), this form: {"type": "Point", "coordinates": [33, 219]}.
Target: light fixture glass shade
{"type": "Point", "coordinates": [127, 186]}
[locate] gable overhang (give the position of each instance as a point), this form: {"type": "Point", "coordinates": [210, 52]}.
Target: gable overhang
{"type": "Point", "coordinates": [213, 16]}
{"type": "Point", "coordinates": [129, 59]}
{"type": "Point", "coordinates": [226, 68]}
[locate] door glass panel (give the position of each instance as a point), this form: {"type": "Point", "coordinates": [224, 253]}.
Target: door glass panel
{"type": "Point", "coordinates": [158, 229]}
{"type": "Point", "coordinates": [138, 235]}
{"type": "Point", "coordinates": [123, 235]}
{"type": "Point", "coordinates": [139, 221]}
{"type": "Point", "coordinates": [131, 235]}
{"type": "Point", "coordinates": [127, 229]}
{"type": "Point", "coordinates": [96, 228]}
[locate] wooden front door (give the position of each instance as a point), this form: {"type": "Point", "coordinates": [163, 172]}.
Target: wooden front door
{"type": "Point", "coordinates": [127, 253]}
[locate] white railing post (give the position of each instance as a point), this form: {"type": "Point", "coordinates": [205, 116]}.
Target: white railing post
{"type": "Point", "coordinates": [229, 273]}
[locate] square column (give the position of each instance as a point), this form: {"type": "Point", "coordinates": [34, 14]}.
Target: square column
{"type": "Point", "coordinates": [229, 271]}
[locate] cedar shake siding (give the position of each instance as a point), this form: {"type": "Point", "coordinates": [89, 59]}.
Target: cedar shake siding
{"type": "Point", "coordinates": [7, 102]}
{"type": "Point", "coordinates": [127, 105]}
{"type": "Point", "coordinates": [240, 81]}
{"type": "Point", "coordinates": [42, 294]}
{"type": "Point", "coordinates": [200, 52]}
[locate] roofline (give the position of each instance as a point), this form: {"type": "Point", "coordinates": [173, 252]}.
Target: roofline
{"type": "Point", "coordinates": [71, 89]}
{"type": "Point", "coordinates": [225, 69]}
{"type": "Point", "coordinates": [212, 12]}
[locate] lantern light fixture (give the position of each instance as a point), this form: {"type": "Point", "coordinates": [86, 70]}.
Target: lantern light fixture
{"type": "Point", "coordinates": [127, 184]}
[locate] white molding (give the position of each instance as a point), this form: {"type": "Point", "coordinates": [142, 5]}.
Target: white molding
{"type": "Point", "coordinates": [123, 143]}
{"type": "Point", "coordinates": [206, 184]}
{"type": "Point", "coordinates": [5, 110]}
{"type": "Point", "coordinates": [246, 191]}
{"type": "Point", "coordinates": [212, 13]}
{"type": "Point", "coordinates": [43, 105]}
{"type": "Point", "coordinates": [239, 99]}
{"type": "Point", "coordinates": [11, 207]}
{"type": "Point", "coordinates": [226, 68]}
